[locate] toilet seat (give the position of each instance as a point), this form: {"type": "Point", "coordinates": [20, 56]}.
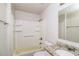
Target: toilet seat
{"type": "Point", "coordinates": [63, 53]}
{"type": "Point", "coordinates": [42, 53]}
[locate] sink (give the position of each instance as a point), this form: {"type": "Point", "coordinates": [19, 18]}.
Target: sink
{"type": "Point", "coordinates": [76, 52]}
{"type": "Point", "coordinates": [72, 50]}
{"type": "Point", "coordinates": [61, 52]}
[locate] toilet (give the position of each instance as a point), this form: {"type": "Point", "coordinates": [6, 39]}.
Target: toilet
{"type": "Point", "coordinates": [41, 53]}
{"type": "Point", "coordinates": [62, 53]}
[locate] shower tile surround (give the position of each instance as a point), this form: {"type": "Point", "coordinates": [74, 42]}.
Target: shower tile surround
{"type": "Point", "coordinates": [62, 46]}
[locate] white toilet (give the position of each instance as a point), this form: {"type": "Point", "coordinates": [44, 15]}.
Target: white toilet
{"type": "Point", "coordinates": [42, 53]}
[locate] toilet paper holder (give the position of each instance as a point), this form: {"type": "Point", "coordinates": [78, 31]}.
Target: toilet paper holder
{"type": "Point", "coordinates": [41, 38]}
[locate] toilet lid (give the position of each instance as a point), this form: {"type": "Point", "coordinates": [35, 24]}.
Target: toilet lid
{"type": "Point", "coordinates": [42, 53]}
{"type": "Point", "coordinates": [63, 53]}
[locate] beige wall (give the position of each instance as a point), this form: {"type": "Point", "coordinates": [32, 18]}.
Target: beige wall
{"type": "Point", "coordinates": [7, 17]}
{"type": "Point", "coordinates": [3, 11]}
{"type": "Point", "coordinates": [3, 40]}
{"type": "Point", "coordinates": [50, 23]}
{"type": "Point", "coordinates": [2, 29]}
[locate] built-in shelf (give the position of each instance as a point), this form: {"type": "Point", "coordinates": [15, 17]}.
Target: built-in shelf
{"type": "Point", "coordinates": [18, 25]}
{"type": "Point", "coordinates": [71, 26]}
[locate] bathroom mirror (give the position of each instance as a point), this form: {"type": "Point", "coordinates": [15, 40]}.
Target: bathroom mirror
{"type": "Point", "coordinates": [69, 23]}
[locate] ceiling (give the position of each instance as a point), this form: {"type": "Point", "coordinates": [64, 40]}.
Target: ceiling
{"type": "Point", "coordinates": [31, 7]}
{"type": "Point", "coordinates": [73, 8]}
